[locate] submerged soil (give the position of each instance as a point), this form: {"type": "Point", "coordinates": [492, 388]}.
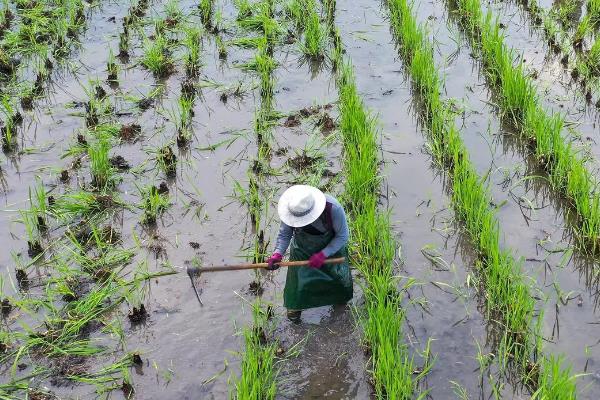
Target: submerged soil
{"type": "Point", "coordinates": [185, 351]}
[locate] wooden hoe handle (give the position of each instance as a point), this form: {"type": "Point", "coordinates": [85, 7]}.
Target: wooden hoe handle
{"type": "Point", "coordinates": [236, 267]}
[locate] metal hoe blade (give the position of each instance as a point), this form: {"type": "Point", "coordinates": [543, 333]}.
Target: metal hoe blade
{"type": "Point", "coordinates": [191, 275]}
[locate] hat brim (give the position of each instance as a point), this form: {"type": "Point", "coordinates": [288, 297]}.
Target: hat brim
{"type": "Point", "coordinates": [294, 192]}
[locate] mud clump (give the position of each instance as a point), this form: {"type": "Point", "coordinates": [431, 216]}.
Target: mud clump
{"type": "Point", "coordinates": [127, 389]}
{"type": "Point", "coordinates": [22, 278]}
{"type": "Point", "coordinates": [34, 248]}
{"type": "Point", "coordinates": [138, 314]}
{"type": "Point", "coordinates": [292, 121]}
{"type": "Point", "coordinates": [130, 132]}
{"type": "Point", "coordinates": [194, 245]}
{"type": "Point", "coordinates": [309, 111]}
{"type": "Point", "coordinates": [302, 162]}
{"type": "Point", "coordinates": [6, 307]}
{"type": "Point", "coordinates": [64, 176]}
{"type": "Point", "coordinates": [136, 359]}
{"type": "Point", "coordinates": [145, 104]}
{"type": "Point", "coordinates": [65, 367]}
{"type": "Point", "coordinates": [163, 188]}
{"type": "Point", "coordinates": [256, 288]}
{"type": "Point", "coordinates": [34, 394]}
{"type": "Point", "coordinates": [82, 140]}
{"type": "Point", "coordinates": [119, 163]}
{"type": "Point", "coordinates": [327, 123]}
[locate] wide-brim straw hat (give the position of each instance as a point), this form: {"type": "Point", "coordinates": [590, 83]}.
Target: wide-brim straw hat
{"type": "Point", "coordinates": [301, 205]}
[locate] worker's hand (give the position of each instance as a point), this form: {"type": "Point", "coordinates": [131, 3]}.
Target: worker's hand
{"type": "Point", "coordinates": [274, 261]}
{"type": "Point", "coordinates": [317, 260]}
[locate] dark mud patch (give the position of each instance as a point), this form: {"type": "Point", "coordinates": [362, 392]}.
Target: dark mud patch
{"type": "Point", "coordinates": [138, 315]}
{"type": "Point", "coordinates": [120, 163]}
{"type": "Point", "coordinates": [130, 132]}
{"type": "Point", "coordinates": [6, 307]}
{"type": "Point", "coordinates": [64, 368]}
{"type": "Point", "coordinates": [302, 162]}
{"type": "Point", "coordinates": [292, 121]}
{"type": "Point", "coordinates": [34, 394]}
{"type": "Point", "coordinates": [256, 288]}
{"type": "Point", "coordinates": [326, 123]}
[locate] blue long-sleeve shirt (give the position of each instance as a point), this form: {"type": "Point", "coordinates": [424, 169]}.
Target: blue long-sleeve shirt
{"type": "Point", "coordinates": [340, 228]}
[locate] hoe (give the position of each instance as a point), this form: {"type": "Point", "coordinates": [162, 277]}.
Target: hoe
{"type": "Point", "coordinates": [196, 271]}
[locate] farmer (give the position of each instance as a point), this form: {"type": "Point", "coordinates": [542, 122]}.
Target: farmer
{"type": "Point", "coordinates": [315, 223]}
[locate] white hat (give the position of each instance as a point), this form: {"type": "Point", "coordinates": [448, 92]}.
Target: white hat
{"type": "Point", "coordinates": [301, 205]}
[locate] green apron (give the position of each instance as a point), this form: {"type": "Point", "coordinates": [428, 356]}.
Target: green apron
{"type": "Point", "coordinates": [307, 287]}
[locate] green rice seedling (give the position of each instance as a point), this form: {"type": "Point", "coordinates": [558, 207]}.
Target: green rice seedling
{"type": "Point", "coordinates": [565, 11]}
{"type": "Point", "coordinates": [592, 59]}
{"type": "Point", "coordinates": [173, 13]}
{"type": "Point", "coordinates": [221, 47]}
{"type": "Point", "coordinates": [103, 174]}
{"type": "Point", "coordinates": [154, 202]}
{"type": "Point", "coordinates": [593, 11]}
{"type": "Point", "coordinates": [245, 8]}
{"type": "Point", "coordinates": [34, 243]}
{"type": "Point", "coordinates": [192, 42]}
{"type": "Point", "coordinates": [38, 205]}
{"type": "Point", "coordinates": [112, 68]}
{"type": "Point", "coordinates": [206, 12]}
{"type": "Point", "coordinates": [167, 161]}
{"type": "Point", "coordinates": [296, 10]}
{"type": "Point", "coordinates": [123, 45]}
{"type": "Point", "coordinates": [258, 366]}
{"type": "Point", "coordinates": [11, 119]}
{"type": "Point", "coordinates": [157, 57]}
{"type": "Point", "coordinates": [182, 118]}
{"type": "Point", "coordinates": [314, 37]}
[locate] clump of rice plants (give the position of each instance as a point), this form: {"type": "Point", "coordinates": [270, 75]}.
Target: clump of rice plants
{"type": "Point", "coordinates": [206, 12]}
{"type": "Point", "coordinates": [123, 45]}
{"type": "Point", "coordinates": [9, 113]}
{"type": "Point", "coordinates": [315, 37]}
{"type": "Point", "coordinates": [258, 369]}
{"type": "Point", "coordinates": [167, 161]}
{"type": "Point", "coordinates": [154, 202]}
{"type": "Point", "coordinates": [192, 42]}
{"type": "Point", "coordinates": [103, 174]}
{"type": "Point", "coordinates": [182, 118]}
{"type": "Point", "coordinates": [157, 57]}
{"type": "Point", "coordinates": [173, 13]}
{"type": "Point", "coordinates": [112, 68]}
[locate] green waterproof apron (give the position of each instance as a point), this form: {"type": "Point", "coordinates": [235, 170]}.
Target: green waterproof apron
{"type": "Point", "coordinates": [307, 287]}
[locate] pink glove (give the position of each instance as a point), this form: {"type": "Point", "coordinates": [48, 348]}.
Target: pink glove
{"type": "Point", "coordinates": [274, 261]}
{"type": "Point", "coordinates": [317, 260]}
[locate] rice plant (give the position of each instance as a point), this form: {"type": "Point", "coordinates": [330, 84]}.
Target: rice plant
{"type": "Point", "coordinates": [11, 119]}
{"type": "Point", "coordinates": [192, 42]}
{"type": "Point", "coordinates": [258, 366]}
{"type": "Point", "coordinates": [103, 174]}
{"type": "Point", "coordinates": [157, 57]}
{"type": "Point", "coordinates": [112, 67]}
{"type": "Point", "coordinates": [206, 12]}
{"type": "Point", "coordinates": [315, 37]}
{"type": "Point", "coordinates": [154, 202]}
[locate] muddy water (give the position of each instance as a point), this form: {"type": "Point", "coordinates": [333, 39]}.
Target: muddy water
{"type": "Point", "coordinates": [188, 351]}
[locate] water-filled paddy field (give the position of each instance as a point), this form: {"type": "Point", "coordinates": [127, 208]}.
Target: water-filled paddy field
{"type": "Point", "coordinates": [140, 138]}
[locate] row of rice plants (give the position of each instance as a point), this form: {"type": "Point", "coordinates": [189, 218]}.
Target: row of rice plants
{"type": "Point", "coordinates": [258, 373]}
{"type": "Point", "coordinates": [372, 245]}
{"type": "Point", "coordinates": [583, 63]}
{"type": "Point", "coordinates": [510, 307]}
{"type": "Point", "coordinates": [519, 101]}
